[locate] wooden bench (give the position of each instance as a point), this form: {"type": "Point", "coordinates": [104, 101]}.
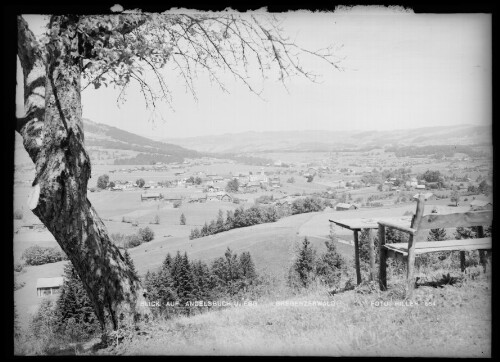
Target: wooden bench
{"type": "Point", "coordinates": [418, 244]}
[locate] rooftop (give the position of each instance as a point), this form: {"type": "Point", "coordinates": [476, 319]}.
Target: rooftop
{"type": "Point", "coordinates": [49, 282]}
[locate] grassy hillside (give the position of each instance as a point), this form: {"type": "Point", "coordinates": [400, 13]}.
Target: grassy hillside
{"type": "Point", "coordinates": [144, 150]}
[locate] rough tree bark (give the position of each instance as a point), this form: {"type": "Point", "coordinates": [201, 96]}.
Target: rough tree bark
{"type": "Point", "coordinates": [52, 132]}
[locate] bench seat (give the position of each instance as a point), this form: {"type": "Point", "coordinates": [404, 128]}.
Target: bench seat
{"type": "Point", "coordinates": [445, 245]}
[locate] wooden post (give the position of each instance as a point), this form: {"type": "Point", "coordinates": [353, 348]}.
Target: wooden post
{"type": "Point", "coordinates": [382, 254]}
{"type": "Point", "coordinates": [410, 264]}
{"type": "Point", "coordinates": [487, 266]}
{"type": "Point", "coordinates": [356, 256]}
{"type": "Point", "coordinates": [372, 255]}
{"type": "Point", "coordinates": [462, 261]}
{"type": "Point", "coordinates": [482, 259]}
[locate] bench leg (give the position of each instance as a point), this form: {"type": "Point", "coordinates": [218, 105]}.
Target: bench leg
{"type": "Point", "coordinates": [462, 261]}
{"type": "Point", "coordinates": [383, 269]}
{"type": "Point", "coordinates": [356, 257]}
{"type": "Point", "coordinates": [482, 259]}
{"type": "Point", "coordinates": [410, 272]}
{"type": "Point", "coordinates": [487, 260]}
{"type": "Point", "coordinates": [372, 255]}
{"type": "Point", "coordinates": [382, 276]}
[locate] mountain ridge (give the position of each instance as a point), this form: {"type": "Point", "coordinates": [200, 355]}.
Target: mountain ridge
{"type": "Point", "coordinates": [320, 140]}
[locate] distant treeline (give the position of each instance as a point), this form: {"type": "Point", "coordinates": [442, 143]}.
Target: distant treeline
{"type": "Point", "coordinates": [258, 214]}
{"type": "Point", "coordinates": [148, 159]}
{"type": "Point", "coordinates": [437, 151]}
{"type": "Point", "coordinates": [246, 160]}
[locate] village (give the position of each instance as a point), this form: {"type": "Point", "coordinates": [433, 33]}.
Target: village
{"type": "Point", "coordinates": [349, 184]}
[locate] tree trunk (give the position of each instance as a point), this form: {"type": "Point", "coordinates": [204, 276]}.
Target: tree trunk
{"type": "Point", "coordinates": [53, 136]}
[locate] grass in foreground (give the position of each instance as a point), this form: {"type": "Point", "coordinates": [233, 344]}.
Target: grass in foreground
{"type": "Point", "coordinates": [453, 320]}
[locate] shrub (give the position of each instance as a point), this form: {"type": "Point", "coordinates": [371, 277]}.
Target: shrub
{"type": "Point", "coordinates": [118, 238]}
{"type": "Point", "coordinates": [146, 234]}
{"type": "Point", "coordinates": [18, 215]}
{"type": "Point", "coordinates": [140, 182]}
{"type": "Point", "coordinates": [18, 285]}
{"type": "Point", "coordinates": [233, 185]}
{"type": "Point", "coordinates": [18, 267]}
{"type": "Point", "coordinates": [43, 321]}
{"type": "Point", "coordinates": [102, 181]}
{"type": "Point", "coordinates": [264, 199]}
{"type": "Point", "coordinates": [131, 241]}
{"type": "Point", "coordinates": [183, 219]}
{"type": "Point", "coordinates": [308, 204]}
{"type": "Point", "coordinates": [38, 255]}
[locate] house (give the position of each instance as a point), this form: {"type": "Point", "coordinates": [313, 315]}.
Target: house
{"type": "Point", "coordinates": [151, 196]}
{"type": "Point", "coordinates": [258, 178]}
{"type": "Point", "coordinates": [212, 196]}
{"type": "Point", "coordinates": [343, 206]}
{"type": "Point", "coordinates": [224, 196]}
{"type": "Point", "coordinates": [253, 185]}
{"type": "Point", "coordinates": [427, 196]}
{"type": "Point", "coordinates": [242, 180]}
{"type": "Point", "coordinates": [481, 205]}
{"type": "Point", "coordinates": [198, 198]}
{"type": "Point", "coordinates": [172, 199]}
{"type": "Point", "coordinates": [48, 286]}
{"type": "Point", "coordinates": [275, 182]}
{"type": "Point", "coordinates": [420, 187]}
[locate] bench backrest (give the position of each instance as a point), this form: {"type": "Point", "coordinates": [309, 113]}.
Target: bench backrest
{"type": "Point", "coordinates": [463, 219]}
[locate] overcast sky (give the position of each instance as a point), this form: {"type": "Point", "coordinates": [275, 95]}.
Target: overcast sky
{"type": "Point", "coordinates": [399, 71]}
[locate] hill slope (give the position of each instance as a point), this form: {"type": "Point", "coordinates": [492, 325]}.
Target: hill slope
{"type": "Point", "coordinates": [101, 140]}
{"type": "Point", "coordinates": [301, 141]}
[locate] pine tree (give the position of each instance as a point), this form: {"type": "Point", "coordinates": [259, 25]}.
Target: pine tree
{"type": "Point", "coordinates": [160, 290]}
{"type": "Point", "coordinates": [195, 234]}
{"type": "Point", "coordinates": [220, 222]}
{"type": "Point", "coordinates": [229, 223]}
{"type": "Point", "coordinates": [130, 263]}
{"type": "Point", "coordinates": [187, 284]}
{"type": "Point", "coordinates": [304, 264]}
{"type": "Point", "coordinates": [436, 234]}
{"type": "Point", "coordinates": [218, 283]}
{"type": "Point", "coordinates": [204, 230]}
{"type": "Point", "coordinates": [74, 312]}
{"type": "Point", "coordinates": [167, 263]}
{"type": "Point", "coordinates": [247, 267]}
{"type": "Point", "coordinates": [331, 266]}
{"type": "Point", "coordinates": [201, 277]}
{"type": "Point", "coordinates": [183, 219]}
